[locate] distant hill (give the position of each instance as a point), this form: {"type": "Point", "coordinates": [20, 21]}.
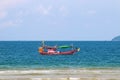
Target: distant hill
{"type": "Point", "coordinates": [116, 38]}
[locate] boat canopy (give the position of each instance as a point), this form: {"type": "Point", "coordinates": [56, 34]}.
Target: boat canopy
{"type": "Point", "coordinates": [64, 47]}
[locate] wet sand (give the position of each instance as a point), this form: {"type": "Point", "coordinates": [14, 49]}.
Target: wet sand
{"type": "Point", "coordinates": [61, 74]}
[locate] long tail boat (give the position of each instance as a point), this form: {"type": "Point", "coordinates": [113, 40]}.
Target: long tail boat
{"type": "Point", "coordinates": [55, 50]}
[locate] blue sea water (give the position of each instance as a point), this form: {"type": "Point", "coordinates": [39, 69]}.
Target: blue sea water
{"type": "Point", "coordinates": [93, 54]}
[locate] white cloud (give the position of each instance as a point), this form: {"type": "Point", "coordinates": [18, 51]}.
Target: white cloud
{"type": "Point", "coordinates": [10, 23]}
{"type": "Point", "coordinates": [7, 24]}
{"type": "Point", "coordinates": [5, 4]}
{"type": "Point", "coordinates": [44, 10]}
{"type": "Point", "coordinates": [92, 12]}
{"type": "Point", "coordinates": [2, 14]}
{"type": "Point", "coordinates": [63, 10]}
{"type": "Point", "coordinates": [22, 13]}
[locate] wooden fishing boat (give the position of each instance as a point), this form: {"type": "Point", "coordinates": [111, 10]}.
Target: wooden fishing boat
{"type": "Point", "coordinates": [48, 50]}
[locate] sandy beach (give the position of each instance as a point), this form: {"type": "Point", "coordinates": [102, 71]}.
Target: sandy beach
{"type": "Point", "coordinates": [62, 74]}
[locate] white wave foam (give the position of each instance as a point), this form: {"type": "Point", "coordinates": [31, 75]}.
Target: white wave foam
{"type": "Point", "coordinates": [26, 72]}
{"type": "Point", "coordinates": [74, 71]}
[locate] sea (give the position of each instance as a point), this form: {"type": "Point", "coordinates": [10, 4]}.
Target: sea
{"type": "Point", "coordinates": [24, 55]}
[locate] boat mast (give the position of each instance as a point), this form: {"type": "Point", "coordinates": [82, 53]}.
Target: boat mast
{"type": "Point", "coordinates": [43, 44]}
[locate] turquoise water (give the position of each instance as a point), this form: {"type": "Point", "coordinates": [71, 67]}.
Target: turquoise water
{"type": "Point", "coordinates": [93, 54]}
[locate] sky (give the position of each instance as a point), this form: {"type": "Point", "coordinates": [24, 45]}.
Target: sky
{"type": "Point", "coordinates": [81, 20]}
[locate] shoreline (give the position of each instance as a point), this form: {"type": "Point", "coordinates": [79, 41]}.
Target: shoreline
{"type": "Point", "coordinates": [61, 74]}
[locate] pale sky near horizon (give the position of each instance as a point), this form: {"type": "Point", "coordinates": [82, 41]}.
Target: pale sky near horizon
{"type": "Point", "coordinates": [59, 20]}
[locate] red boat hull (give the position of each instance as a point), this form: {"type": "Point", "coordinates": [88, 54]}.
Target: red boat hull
{"type": "Point", "coordinates": [59, 53]}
